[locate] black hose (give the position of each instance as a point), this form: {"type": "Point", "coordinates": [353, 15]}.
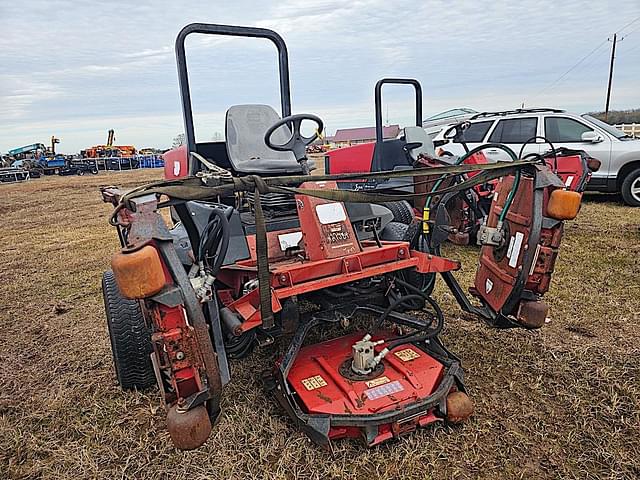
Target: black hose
{"type": "Point", "coordinates": [398, 301]}
{"type": "Point", "coordinates": [436, 308]}
{"type": "Point", "coordinates": [544, 139]}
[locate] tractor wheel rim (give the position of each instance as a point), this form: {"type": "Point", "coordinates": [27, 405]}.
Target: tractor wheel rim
{"type": "Point", "coordinates": [635, 189]}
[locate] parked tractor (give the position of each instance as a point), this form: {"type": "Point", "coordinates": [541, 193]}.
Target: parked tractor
{"type": "Point", "coordinates": [262, 252]}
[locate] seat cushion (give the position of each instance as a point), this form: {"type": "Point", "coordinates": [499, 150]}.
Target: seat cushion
{"type": "Point", "coordinates": [246, 148]}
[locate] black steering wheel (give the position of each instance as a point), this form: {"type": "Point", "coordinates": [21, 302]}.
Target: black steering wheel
{"type": "Point", "coordinates": [456, 130]}
{"type": "Point", "coordinates": [297, 143]}
{"type": "Point", "coordinates": [455, 133]}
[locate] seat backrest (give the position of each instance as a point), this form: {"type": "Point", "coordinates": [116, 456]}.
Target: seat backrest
{"type": "Point", "coordinates": [419, 135]}
{"type": "Point", "coordinates": [248, 153]}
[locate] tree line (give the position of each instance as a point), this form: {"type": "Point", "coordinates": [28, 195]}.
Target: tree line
{"type": "Point", "coordinates": [616, 117]}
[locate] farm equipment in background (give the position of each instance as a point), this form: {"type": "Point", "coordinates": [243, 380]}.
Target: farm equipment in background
{"type": "Point", "coordinates": [13, 174]}
{"type": "Point", "coordinates": [38, 159]}
{"type": "Point", "coordinates": [263, 253]}
{"type": "Point", "coordinates": [109, 149]}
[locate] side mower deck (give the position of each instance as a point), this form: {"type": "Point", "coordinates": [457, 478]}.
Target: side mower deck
{"type": "Point", "coordinates": [407, 390]}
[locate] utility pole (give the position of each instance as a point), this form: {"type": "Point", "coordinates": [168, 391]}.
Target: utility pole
{"type": "Point", "coordinates": [613, 56]}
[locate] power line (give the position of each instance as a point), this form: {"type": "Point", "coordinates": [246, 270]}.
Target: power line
{"type": "Point", "coordinates": [579, 62]}
{"type": "Point", "coordinates": [571, 69]}
{"type": "Point", "coordinates": [630, 23]}
{"type": "Point", "coordinates": [629, 33]}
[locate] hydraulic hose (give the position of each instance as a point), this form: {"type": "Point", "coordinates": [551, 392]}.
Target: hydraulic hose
{"type": "Point", "coordinates": [422, 334]}
{"type": "Point", "coordinates": [464, 157]}
{"type": "Point", "coordinates": [548, 142]}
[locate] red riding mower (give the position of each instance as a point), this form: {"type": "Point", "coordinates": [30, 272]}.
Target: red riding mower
{"type": "Point", "coordinates": [263, 252]}
{"type": "Point", "coordinates": [466, 209]}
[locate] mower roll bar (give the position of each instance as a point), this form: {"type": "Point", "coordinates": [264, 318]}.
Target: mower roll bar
{"type": "Point", "coordinates": [234, 31]}
{"type": "Point", "coordinates": [378, 101]}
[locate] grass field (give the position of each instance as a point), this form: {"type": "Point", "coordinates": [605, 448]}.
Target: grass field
{"type": "Point", "coordinates": [562, 402]}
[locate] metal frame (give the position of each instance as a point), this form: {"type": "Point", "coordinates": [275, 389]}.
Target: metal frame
{"type": "Point", "coordinates": [378, 101]}
{"type": "Point", "coordinates": [183, 75]}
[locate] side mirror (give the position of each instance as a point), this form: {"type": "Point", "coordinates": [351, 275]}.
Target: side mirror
{"type": "Point", "coordinates": [591, 137]}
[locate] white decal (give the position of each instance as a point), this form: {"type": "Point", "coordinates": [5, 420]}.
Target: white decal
{"type": "Point", "coordinates": [510, 249]}
{"type": "Point", "coordinates": [176, 168]}
{"type": "Point", "coordinates": [535, 260]}
{"type": "Point", "coordinates": [330, 213]}
{"type": "Point", "coordinates": [569, 180]}
{"type": "Point", "coordinates": [488, 286]}
{"type": "Point", "coordinates": [289, 240]}
{"type": "Point", "coordinates": [515, 252]}
{"type": "Point", "coordinates": [382, 390]}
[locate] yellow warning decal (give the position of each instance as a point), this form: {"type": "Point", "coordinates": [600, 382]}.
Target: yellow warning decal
{"type": "Point", "coordinates": [314, 382]}
{"type": "Point", "coordinates": [407, 354]}
{"type": "Point", "coordinates": [377, 381]}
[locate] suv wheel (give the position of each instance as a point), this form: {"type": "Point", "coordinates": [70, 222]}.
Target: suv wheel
{"type": "Point", "coordinates": [631, 188]}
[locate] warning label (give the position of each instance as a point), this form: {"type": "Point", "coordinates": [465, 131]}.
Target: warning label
{"type": "Point", "coordinates": [382, 390]}
{"type": "Point", "coordinates": [407, 354]}
{"type": "Point", "coordinates": [377, 381]}
{"type": "Point", "coordinates": [314, 382]}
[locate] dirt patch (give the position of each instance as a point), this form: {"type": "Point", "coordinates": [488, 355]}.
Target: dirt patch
{"type": "Point", "coordinates": [563, 402]}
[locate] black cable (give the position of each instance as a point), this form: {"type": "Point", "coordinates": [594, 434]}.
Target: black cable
{"type": "Point", "coordinates": [430, 301]}
{"type": "Point", "coordinates": [547, 141]}
{"type": "Point", "coordinates": [398, 301]}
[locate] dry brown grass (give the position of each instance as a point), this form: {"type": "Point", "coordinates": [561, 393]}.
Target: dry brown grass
{"type": "Point", "coordinates": [563, 402]}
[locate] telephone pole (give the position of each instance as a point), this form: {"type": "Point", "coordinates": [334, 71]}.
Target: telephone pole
{"type": "Point", "coordinates": [613, 56]}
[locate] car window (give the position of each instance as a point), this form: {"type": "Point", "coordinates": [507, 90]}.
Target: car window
{"type": "Point", "coordinates": [476, 132]}
{"type": "Point", "coordinates": [514, 130]}
{"type": "Point", "coordinates": [561, 129]}
{"type": "Point", "coordinates": [450, 113]}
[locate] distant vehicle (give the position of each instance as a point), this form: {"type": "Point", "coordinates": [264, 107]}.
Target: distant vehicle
{"type": "Point", "coordinates": [109, 149]}
{"type": "Point", "coordinates": [435, 123]}
{"type": "Point", "coordinates": [38, 159]}
{"type": "Point", "coordinates": [11, 174]}
{"type": "Point", "coordinates": [618, 152]}
{"type": "Point", "coordinates": [78, 169]}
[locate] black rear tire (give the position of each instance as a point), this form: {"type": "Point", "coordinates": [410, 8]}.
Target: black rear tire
{"type": "Point", "coordinates": [629, 188]}
{"type": "Point", "coordinates": [402, 211]}
{"type": "Point", "coordinates": [130, 337]}
{"type": "Point", "coordinates": [394, 232]}
{"type": "Point", "coordinates": [399, 232]}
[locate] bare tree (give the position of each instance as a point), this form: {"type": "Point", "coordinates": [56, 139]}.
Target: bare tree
{"type": "Point", "coordinates": [178, 141]}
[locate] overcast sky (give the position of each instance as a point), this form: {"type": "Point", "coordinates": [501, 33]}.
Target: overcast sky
{"type": "Point", "coordinates": [75, 68]}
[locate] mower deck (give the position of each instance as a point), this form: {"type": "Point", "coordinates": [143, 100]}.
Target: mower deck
{"type": "Point", "coordinates": [407, 390]}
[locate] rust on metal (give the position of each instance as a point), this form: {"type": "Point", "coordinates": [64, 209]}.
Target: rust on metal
{"type": "Point", "coordinates": [188, 429]}
{"type": "Point", "coordinates": [459, 407]}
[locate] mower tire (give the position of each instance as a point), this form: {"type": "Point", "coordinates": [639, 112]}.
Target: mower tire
{"type": "Point", "coordinates": [130, 337]}
{"type": "Point", "coordinates": [394, 232]}
{"type": "Point", "coordinates": [402, 211]}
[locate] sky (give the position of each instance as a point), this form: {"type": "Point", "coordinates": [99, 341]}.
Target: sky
{"type": "Point", "coordinates": [75, 69]}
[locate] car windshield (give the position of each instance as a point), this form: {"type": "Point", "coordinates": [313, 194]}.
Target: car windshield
{"type": "Point", "coordinates": [450, 113]}
{"type": "Point", "coordinates": [610, 129]}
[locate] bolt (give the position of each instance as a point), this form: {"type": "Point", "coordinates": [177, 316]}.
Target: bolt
{"type": "Point", "coordinates": [180, 355]}
{"type": "Point", "coordinates": [282, 278]}
{"type": "Point", "coordinates": [401, 252]}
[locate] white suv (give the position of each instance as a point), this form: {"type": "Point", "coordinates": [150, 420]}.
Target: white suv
{"type": "Point", "coordinates": [619, 153]}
